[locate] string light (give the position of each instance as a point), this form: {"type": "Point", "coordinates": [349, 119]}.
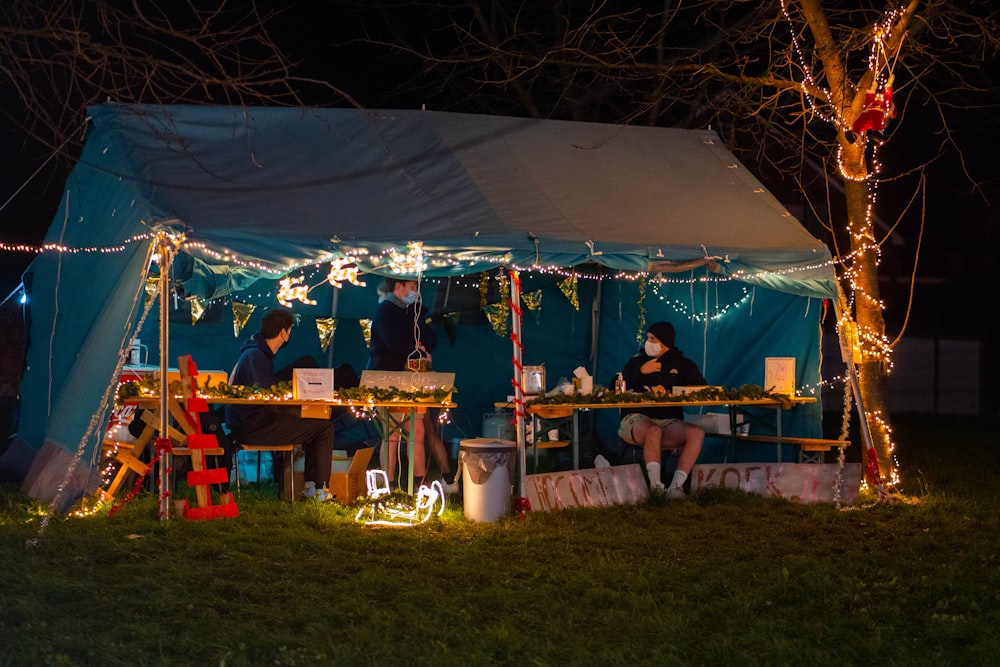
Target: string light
{"type": "Point", "coordinates": [867, 343]}
{"type": "Point", "coordinates": [410, 262]}
{"type": "Point", "coordinates": [291, 289]}
{"type": "Point", "coordinates": [384, 508]}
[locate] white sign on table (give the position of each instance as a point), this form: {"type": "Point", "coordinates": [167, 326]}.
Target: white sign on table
{"type": "Point", "coordinates": [312, 384]}
{"type": "Point", "coordinates": [779, 375]}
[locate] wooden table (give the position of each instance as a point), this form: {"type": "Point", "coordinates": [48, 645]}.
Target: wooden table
{"type": "Point", "coordinates": [320, 409]}
{"type": "Point", "coordinates": [557, 410]}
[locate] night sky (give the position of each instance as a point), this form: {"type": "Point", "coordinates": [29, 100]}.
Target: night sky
{"type": "Point", "coordinates": [955, 266]}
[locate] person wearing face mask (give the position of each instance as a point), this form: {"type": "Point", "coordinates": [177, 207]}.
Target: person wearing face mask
{"type": "Point", "coordinates": [661, 365]}
{"type": "Point", "coordinates": [272, 424]}
{"type": "Point", "coordinates": [400, 333]}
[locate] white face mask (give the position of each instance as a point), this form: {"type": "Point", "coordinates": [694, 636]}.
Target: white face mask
{"type": "Point", "coordinates": [652, 349]}
{"type": "Point", "coordinates": [410, 298]}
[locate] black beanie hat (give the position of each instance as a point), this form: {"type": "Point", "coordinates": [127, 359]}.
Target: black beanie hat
{"type": "Point", "coordinates": [664, 332]}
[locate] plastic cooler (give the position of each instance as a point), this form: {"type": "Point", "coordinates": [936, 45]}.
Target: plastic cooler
{"type": "Point", "coordinates": [487, 471]}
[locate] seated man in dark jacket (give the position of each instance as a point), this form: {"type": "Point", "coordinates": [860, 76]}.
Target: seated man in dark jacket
{"type": "Point", "coordinates": [271, 424]}
{"type": "Point", "coordinates": [662, 365]}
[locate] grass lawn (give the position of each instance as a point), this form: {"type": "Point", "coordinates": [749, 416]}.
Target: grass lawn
{"type": "Point", "coordinates": [720, 578]}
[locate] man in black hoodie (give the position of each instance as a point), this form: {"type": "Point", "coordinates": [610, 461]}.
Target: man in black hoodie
{"type": "Point", "coordinates": [660, 367]}
{"type": "Point", "coordinates": [271, 424]}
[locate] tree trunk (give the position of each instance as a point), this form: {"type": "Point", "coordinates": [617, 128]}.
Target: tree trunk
{"type": "Point", "coordinates": [861, 280]}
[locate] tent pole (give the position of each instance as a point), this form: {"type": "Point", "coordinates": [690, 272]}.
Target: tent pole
{"type": "Point", "coordinates": [515, 334]}
{"type": "Point", "coordinates": [334, 306]}
{"type": "Point", "coordinates": [165, 455]}
{"type": "Point", "coordinates": [595, 328]}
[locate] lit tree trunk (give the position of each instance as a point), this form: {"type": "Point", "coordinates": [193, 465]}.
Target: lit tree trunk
{"type": "Point", "coordinates": [861, 275]}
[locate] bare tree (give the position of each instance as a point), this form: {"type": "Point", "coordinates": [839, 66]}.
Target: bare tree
{"type": "Point", "coordinates": [59, 56]}
{"type": "Point", "coordinates": [807, 91]}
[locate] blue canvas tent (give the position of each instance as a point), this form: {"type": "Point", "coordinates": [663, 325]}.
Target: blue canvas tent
{"type": "Point", "coordinates": [610, 226]}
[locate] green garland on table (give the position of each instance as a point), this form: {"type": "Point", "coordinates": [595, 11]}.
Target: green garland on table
{"type": "Point", "coordinates": [746, 392]}
{"type": "Point", "coordinates": [150, 386]}
{"type": "Point", "coordinates": [388, 394]}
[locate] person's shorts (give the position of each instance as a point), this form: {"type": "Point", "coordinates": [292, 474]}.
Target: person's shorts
{"type": "Point", "coordinates": [629, 420]}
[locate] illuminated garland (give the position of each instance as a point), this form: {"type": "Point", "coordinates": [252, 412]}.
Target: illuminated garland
{"type": "Point", "coordinates": [149, 386]}
{"type": "Point", "coordinates": [746, 392]}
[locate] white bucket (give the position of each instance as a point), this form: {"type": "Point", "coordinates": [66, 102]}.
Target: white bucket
{"type": "Point", "coordinates": [487, 466]}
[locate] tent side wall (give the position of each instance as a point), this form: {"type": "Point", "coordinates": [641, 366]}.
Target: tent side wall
{"type": "Point", "coordinates": [83, 305]}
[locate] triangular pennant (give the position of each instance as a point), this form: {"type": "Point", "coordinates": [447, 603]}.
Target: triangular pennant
{"type": "Point", "coordinates": [484, 289]}
{"type": "Point", "coordinates": [533, 302]}
{"type": "Point", "coordinates": [152, 284]}
{"type": "Point", "coordinates": [197, 310]}
{"type": "Point", "coordinates": [496, 313]}
{"type": "Point", "coordinates": [366, 331]}
{"type": "Point", "coordinates": [325, 327]}
{"type": "Point", "coordinates": [451, 325]}
{"type": "Point", "coordinates": [569, 289]}
{"type": "Point", "coordinates": [241, 315]}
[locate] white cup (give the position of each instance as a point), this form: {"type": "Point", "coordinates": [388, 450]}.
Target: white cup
{"type": "Point", "coordinates": [553, 434]}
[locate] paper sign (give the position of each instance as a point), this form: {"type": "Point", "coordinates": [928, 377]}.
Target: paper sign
{"type": "Point", "coordinates": [407, 381]}
{"type": "Point", "coordinates": [312, 384]}
{"type": "Point", "coordinates": [798, 482]}
{"type": "Point", "coordinates": [779, 375]}
{"type": "Point", "coordinates": [591, 487]}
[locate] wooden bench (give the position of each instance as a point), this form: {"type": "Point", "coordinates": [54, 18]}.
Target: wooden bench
{"type": "Point", "coordinates": [811, 450]}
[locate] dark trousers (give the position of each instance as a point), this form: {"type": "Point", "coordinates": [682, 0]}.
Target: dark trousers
{"type": "Point", "coordinates": [315, 436]}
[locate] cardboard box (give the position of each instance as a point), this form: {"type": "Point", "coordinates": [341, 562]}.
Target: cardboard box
{"type": "Point", "coordinates": [350, 483]}
{"type": "Point", "coordinates": [315, 412]}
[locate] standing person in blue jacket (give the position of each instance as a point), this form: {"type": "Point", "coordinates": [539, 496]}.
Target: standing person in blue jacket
{"type": "Point", "coordinates": [662, 365]}
{"type": "Point", "coordinates": [399, 334]}
{"type": "Point", "coordinates": [272, 424]}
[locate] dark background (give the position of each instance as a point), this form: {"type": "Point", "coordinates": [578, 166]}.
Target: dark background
{"type": "Point", "coordinates": [950, 294]}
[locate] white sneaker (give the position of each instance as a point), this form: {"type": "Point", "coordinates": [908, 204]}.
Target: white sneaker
{"type": "Point", "coordinates": [449, 489]}
{"type": "Point", "coordinates": [675, 492]}
{"type": "Point", "coordinates": [601, 462]}
{"type": "Point", "coordinates": [657, 487]}
{"type": "Point", "coordinates": [309, 490]}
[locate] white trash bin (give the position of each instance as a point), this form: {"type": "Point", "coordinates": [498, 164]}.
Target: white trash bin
{"type": "Point", "coordinates": [486, 468]}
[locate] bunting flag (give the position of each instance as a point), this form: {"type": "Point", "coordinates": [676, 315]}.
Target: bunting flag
{"type": "Point", "coordinates": [497, 313]}
{"type": "Point", "coordinates": [241, 315]}
{"type": "Point", "coordinates": [325, 327]}
{"type": "Point", "coordinates": [569, 289]}
{"type": "Point", "coordinates": [366, 331]}
{"type": "Point", "coordinates": [152, 284]}
{"type": "Point", "coordinates": [484, 289]}
{"type": "Point", "coordinates": [197, 310]}
{"type": "Point", "coordinates": [451, 325]}
{"type": "Point", "coordinates": [533, 302]}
